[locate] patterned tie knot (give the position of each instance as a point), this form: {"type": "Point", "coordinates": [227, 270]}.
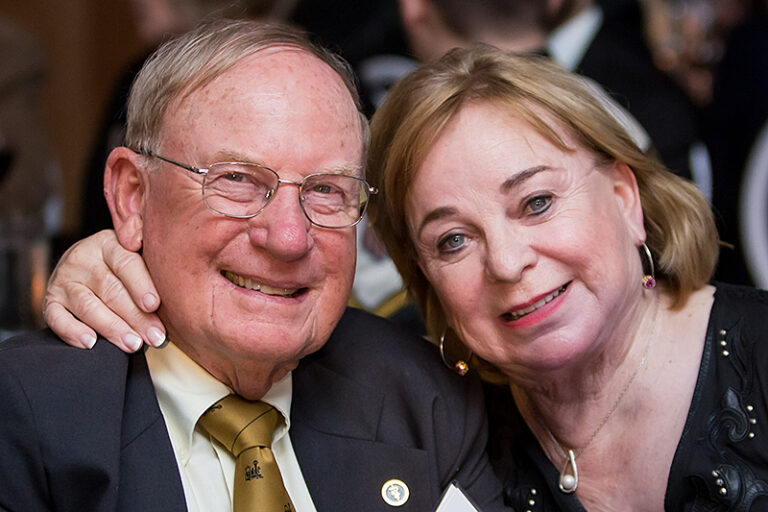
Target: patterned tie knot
{"type": "Point", "coordinates": [239, 424]}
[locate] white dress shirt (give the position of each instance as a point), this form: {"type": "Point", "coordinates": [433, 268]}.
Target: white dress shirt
{"type": "Point", "coordinates": [185, 391]}
{"type": "Point", "coordinates": [568, 43]}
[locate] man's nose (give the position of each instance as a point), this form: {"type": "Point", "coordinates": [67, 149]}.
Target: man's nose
{"type": "Point", "coordinates": [282, 228]}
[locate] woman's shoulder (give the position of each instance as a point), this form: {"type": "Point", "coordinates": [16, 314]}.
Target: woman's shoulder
{"type": "Point", "coordinates": [741, 308]}
{"type": "Point", "coordinates": [738, 296]}
{"type": "Point", "coordinates": [719, 458]}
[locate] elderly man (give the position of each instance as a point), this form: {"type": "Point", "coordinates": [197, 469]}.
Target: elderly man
{"type": "Point", "coordinates": [241, 185]}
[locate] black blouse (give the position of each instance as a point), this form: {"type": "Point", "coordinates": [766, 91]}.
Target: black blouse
{"type": "Point", "coordinates": [721, 461]}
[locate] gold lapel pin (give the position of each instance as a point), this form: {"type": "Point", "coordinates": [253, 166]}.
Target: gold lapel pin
{"type": "Point", "coordinates": [395, 493]}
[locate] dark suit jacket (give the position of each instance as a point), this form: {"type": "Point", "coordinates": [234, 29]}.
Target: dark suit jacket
{"type": "Point", "coordinates": [82, 430]}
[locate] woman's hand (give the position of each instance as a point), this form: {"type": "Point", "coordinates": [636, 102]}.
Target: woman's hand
{"type": "Point", "coordinates": [98, 286]}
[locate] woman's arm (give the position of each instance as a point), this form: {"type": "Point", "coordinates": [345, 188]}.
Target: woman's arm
{"type": "Point", "coordinates": [98, 286]}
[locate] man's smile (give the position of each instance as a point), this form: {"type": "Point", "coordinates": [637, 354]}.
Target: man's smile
{"type": "Point", "coordinates": [249, 284]}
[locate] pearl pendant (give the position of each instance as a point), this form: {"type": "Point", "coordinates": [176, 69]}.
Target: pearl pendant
{"type": "Point", "coordinates": [569, 475]}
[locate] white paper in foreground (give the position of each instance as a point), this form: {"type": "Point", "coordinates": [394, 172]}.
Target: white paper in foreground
{"type": "Point", "coordinates": [454, 500]}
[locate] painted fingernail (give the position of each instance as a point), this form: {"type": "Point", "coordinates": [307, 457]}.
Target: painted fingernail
{"type": "Point", "coordinates": [88, 340]}
{"type": "Point", "coordinates": [132, 341]}
{"type": "Point", "coordinates": [149, 301]}
{"type": "Point", "coordinates": [156, 337]}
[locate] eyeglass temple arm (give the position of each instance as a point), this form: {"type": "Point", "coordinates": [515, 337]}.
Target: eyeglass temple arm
{"type": "Point", "coordinates": [195, 170]}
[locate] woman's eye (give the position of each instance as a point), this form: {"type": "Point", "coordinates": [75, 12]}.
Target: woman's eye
{"type": "Point", "coordinates": [452, 242]}
{"type": "Point", "coordinates": [538, 204]}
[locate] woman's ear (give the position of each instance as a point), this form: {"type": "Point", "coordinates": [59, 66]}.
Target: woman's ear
{"type": "Point", "coordinates": [125, 183]}
{"type": "Point", "coordinates": [628, 198]}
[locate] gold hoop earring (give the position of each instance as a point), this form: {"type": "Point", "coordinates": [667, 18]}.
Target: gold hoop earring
{"type": "Point", "coordinates": [649, 280]}
{"type": "Point", "coordinates": [461, 367]}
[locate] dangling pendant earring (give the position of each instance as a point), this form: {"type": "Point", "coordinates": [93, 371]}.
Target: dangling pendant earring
{"type": "Point", "coordinates": [649, 280]}
{"type": "Point", "coordinates": [461, 367]}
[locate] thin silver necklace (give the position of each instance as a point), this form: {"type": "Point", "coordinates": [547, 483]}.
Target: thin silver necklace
{"type": "Point", "coordinates": [568, 479]}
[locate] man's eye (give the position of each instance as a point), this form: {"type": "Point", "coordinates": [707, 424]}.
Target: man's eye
{"type": "Point", "coordinates": [235, 176]}
{"type": "Point", "coordinates": [538, 204]}
{"type": "Point", "coordinates": [452, 242]}
{"type": "Point", "coordinates": [322, 188]}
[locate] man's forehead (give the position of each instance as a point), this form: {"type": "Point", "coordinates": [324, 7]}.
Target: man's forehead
{"type": "Point", "coordinates": [280, 68]}
{"type": "Point", "coordinates": [272, 75]}
{"type": "Point", "coordinates": [282, 97]}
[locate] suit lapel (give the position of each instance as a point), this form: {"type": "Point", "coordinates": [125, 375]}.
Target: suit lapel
{"type": "Point", "coordinates": [149, 476]}
{"type": "Point", "coordinates": [335, 425]}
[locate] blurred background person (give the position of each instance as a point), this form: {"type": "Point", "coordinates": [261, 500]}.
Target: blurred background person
{"type": "Point", "coordinates": [734, 118]}
{"type": "Point", "coordinates": [30, 181]}
{"type": "Point", "coordinates": [603, 41]}
{"type": "Point", "coordinates": [716, 50]}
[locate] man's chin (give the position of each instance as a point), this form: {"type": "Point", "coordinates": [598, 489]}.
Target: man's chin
{"type": "Point", "coordinates": [279, 347]}
{"type": "Point", "coordinates": [256, 389]}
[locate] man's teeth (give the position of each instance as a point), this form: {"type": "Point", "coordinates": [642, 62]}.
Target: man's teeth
{"type": "Point", "coordinates": [514, 315]}
{"type": "Point", "coordinates": [249, 284]}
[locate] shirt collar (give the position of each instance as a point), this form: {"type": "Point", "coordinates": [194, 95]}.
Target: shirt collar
{"type": "Point", "coordinates": [185, 390]}
{"type": "Point", "coordinates": [568, 43]}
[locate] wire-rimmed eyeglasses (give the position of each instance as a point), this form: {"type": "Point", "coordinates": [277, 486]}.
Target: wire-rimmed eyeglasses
{"type": "Point", "coordinates": [242, 190]}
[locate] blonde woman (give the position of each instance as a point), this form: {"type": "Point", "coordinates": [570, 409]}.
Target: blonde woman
{"type": "Point", "coordinates": [532, 230]}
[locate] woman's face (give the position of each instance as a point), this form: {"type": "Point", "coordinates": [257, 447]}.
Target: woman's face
{"type": "Point", "coordinates": [531, 250]}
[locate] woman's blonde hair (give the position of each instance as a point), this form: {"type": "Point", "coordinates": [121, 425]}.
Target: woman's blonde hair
{"type": "Point", "coordinates": [681, 233]}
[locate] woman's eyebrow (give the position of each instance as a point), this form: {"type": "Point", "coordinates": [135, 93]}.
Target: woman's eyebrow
{"type": "Point", "coordinates": [436, 214]}
{"type": "Point", "coordinates": [518, 178]}
{"type": "Point", "coordinates": [509, 183]}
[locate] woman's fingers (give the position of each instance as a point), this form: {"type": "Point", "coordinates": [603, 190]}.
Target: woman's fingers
{"type": "Point", "coordinates": [130, 269]}
{"type": "Point", "coordinates": [99, 286]}
{"type": "Point", "coordinates": [67, 327]}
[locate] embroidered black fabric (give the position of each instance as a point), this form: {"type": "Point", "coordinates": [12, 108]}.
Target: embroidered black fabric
{"type": "Point", "coordinates": [721, 461]}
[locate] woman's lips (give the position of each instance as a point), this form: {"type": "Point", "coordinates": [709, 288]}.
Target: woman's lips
{"type": "Point", "coordinates": [511, 316]}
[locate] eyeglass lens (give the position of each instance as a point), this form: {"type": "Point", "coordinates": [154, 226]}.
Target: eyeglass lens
{"type": "Point", "coordinates": [241, 190]}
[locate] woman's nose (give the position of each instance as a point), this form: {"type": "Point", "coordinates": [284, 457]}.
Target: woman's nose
{"type": "Point", "coordinates": [509, 254]}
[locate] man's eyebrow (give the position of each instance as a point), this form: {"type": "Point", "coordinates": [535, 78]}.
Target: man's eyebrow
{"type": "Point", "coordinates": [348, 169]}
{"type": "Point", "coordinates": [351, 169]}
{"type": "Point", "coordinates": [234, 156]}
{"type": "Point", "coordinates": [521, 176]}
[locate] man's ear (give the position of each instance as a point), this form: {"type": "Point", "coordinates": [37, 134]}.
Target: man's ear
{"type": "Point", "coordinates": [628, 198]}
{"type": "Point", "coordinates": [125, 183]}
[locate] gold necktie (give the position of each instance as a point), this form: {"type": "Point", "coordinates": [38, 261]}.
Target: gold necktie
{"type": "Point", "coordinates": [245, 429]}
